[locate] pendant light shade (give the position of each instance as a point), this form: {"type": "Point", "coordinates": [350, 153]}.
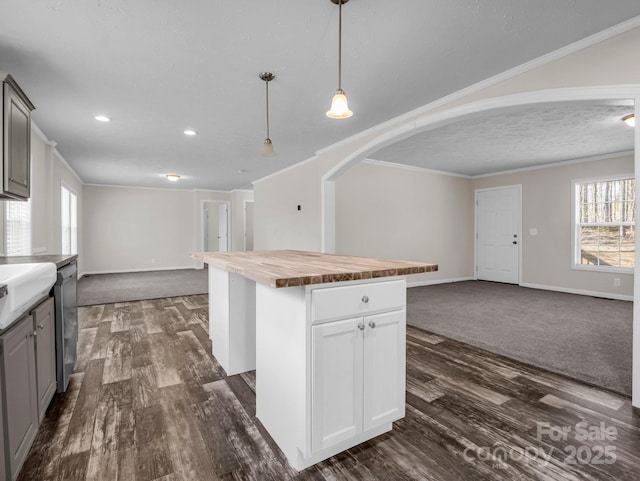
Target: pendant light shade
{"type": "Point", "coordinates": [339, 106]}
{"type": "Point", "coordinates": [267, 148]}
{"type": "Point", "coordinates": [630, 120]}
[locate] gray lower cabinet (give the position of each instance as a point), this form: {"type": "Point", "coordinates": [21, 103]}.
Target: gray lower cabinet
{"type": "Point", "coordinates": [20, 395]}
{"type": "Point", "coordinates": [28, 383]}
{"type": "Point", "coordinates": [44, 327]}
{"type": "Point", "coordinates": [3, 467]}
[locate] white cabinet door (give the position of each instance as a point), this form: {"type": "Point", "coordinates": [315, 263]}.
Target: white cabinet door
{"type": "Point", "coordinates": [336, 382]}
{"type": "Point", "coordinates": [384, 368]}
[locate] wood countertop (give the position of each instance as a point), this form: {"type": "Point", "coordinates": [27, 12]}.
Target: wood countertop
{"type": "Point", "coordinates": [288, 268]}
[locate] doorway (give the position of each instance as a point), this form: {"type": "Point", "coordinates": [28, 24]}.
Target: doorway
{"type": "Point", "coordinates": [215, 226]}
{"type": "Point", "coordinates": [248, 225]}
{"type": "Point", "coordinates": [498, 233]}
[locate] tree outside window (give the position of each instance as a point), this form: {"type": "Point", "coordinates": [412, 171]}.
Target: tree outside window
{"type": "Point", "coordinates": [605, 223]}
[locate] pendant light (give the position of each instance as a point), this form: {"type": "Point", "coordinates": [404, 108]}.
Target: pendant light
{"type": "Point", "coordinates": [339, 107]}
{"type": "Point", "coordinates": [267, 148]}
{"type": "Point", "coordinates": [630, 120]}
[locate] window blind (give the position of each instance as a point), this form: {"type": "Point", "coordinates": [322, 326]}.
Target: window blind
{"type": "Point", "coordinates": [17, 228]}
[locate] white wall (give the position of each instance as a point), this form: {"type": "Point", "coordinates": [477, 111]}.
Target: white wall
{"type": "Point", "coordinates": [609, 62]}
{"type": "Point", "coordinates": [278, 224]}
{"type": "Point", "coordinates": [546, 206]}
{"type": "Point", "coordinates": [135, 229]}
{"type": "Point", "coordinates": [49, 171]}
{"type": "Point", "coordinates": [410, 214]}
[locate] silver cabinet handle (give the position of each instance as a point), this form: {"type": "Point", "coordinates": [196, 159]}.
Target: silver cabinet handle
{"type": "Point", "coordinates": [361, 326]}
{"type": "Point", "coordinates": [372, 324]}
{"type": "Point", "coordinates": [365, 299]}
{"type": "Point", "coordinates": [41, 326]}
{"type": "Point", "coordinates": [33, 334]}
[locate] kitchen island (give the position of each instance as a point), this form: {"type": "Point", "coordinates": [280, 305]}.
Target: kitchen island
{"type": "Point", "coordinates": [326, 336]}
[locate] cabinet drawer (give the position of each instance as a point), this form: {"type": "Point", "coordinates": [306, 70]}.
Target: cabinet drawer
{"type": "Point", "coordinates": [359, 299]}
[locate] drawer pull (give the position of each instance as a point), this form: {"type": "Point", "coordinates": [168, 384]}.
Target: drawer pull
{"type": "Point", "coordinates": [365, 299]}
{"type": "Point", "coordinates": [372, 324]}
{"type": "Point", "coordinates": [41, 326]}
{"type": "Point", "coordinates": [361, 326]}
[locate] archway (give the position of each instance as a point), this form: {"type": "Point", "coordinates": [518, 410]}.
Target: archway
{"type": "Point", "coordinates": [439, 117]}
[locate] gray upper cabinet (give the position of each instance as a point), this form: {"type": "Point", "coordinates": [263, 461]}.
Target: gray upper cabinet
{"type": "Point", "coordinates": [16, 141]}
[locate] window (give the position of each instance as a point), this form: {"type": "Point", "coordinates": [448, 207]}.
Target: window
{"type": "Point", "coordinates": [69, 221]}
{"type": "Point", "coordinates": [17, 237]}
{"type": "Point", "coordinates": [605, 226]}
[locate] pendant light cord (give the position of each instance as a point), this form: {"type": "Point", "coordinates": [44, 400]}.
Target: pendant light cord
{"type": "Point", "coordinates": [267, 82]}
{"type": "Point", "coordinates": [340, 45]}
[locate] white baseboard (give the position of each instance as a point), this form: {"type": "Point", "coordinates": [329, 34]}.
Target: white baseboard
{"type": "Point", "coordinates": [438, 281]}
{"type": "Point", "coordinates": [567, 290]}
{"type": "Point", "coordinates": [606, 295]}
{"type": "Point", "coordinates": [122, 271]}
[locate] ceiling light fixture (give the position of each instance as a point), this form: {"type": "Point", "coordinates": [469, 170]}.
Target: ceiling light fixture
{"type": "Point", "coordinates": [267, 148]}
{"type": "Point", "coordinates": [172, 177]}
{"type": "Point", "coordinates": [630, 120]}
{"type": "Point", "coordinates": [339, 106]}
{"type": "Point", "coordinates": [102, 118]}
{"type": "Point", "coordinates": [190, 132]}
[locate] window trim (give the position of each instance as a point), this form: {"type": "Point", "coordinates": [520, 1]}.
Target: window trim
{"type": "Point", "coordinates": [574, 226]}
{"type": "Point", "coordinates": [71, 191]}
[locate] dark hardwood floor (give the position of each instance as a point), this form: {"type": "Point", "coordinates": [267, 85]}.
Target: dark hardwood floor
{"type": "Point", "coordinates": [149, 402]}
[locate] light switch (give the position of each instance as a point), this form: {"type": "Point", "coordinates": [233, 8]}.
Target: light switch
{"type": "Point", "coordinates": [533, 231]}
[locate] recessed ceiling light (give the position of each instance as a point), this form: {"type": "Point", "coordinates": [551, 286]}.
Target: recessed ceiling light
{"type": "Point", "coordinates": [102, 118]}
{"type": "Point", "coordinates": [190, 132]}
{"type": "Point", "coordinates": [630, 120]}
{"type": "Point", "coordinates": [242, 171]}
{"type": "Point", "coordinates": [172, 177]}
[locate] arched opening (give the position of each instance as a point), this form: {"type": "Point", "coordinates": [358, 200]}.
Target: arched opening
{"type": "Point", "coordinates": [436, 119]}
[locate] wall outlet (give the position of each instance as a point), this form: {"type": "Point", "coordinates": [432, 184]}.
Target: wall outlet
{"type": "Point", "coordinates": [616, 282]}
{"type": "Point", "coordinates": [533, 231]}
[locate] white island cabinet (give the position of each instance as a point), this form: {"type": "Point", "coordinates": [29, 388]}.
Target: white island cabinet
{"type": "Point", "coordinates": [329, 353]}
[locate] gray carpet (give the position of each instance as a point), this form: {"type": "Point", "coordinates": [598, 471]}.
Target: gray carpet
{"type": "Point", "coordinates": [135, 286]}
{"type": "Point", "coordinates": [582, 337]}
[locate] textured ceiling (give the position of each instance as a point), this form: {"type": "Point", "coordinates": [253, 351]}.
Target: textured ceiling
{"type": "Point", "coordinates": [159, 66]}
{"type": "Point", "coordinates": [517, 138]}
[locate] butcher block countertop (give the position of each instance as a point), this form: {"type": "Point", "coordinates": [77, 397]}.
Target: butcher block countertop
{"type": "Point", "coordinates": [288, 268]}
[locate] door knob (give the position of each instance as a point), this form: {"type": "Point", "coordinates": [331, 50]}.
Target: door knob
{"type": "Point", "coordinates": [365, 299]}
{"type": "Point", "coordinates": [361, 326]}
{"type": "Point", "coordinates": [372, 324]}
{"type": "Point", "coordinates": [514, 242]}
{"type": "Point", "coordinates": [41, 326]}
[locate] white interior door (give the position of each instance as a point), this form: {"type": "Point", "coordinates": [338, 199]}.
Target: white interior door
{"type": "Point", "coordinates": [223, 227]}
{"type": "Point", "coordinates": [498, 234]}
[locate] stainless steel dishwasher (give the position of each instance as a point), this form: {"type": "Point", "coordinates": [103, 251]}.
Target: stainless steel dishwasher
{"type": "Point", "coordinates": [65, 292]}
